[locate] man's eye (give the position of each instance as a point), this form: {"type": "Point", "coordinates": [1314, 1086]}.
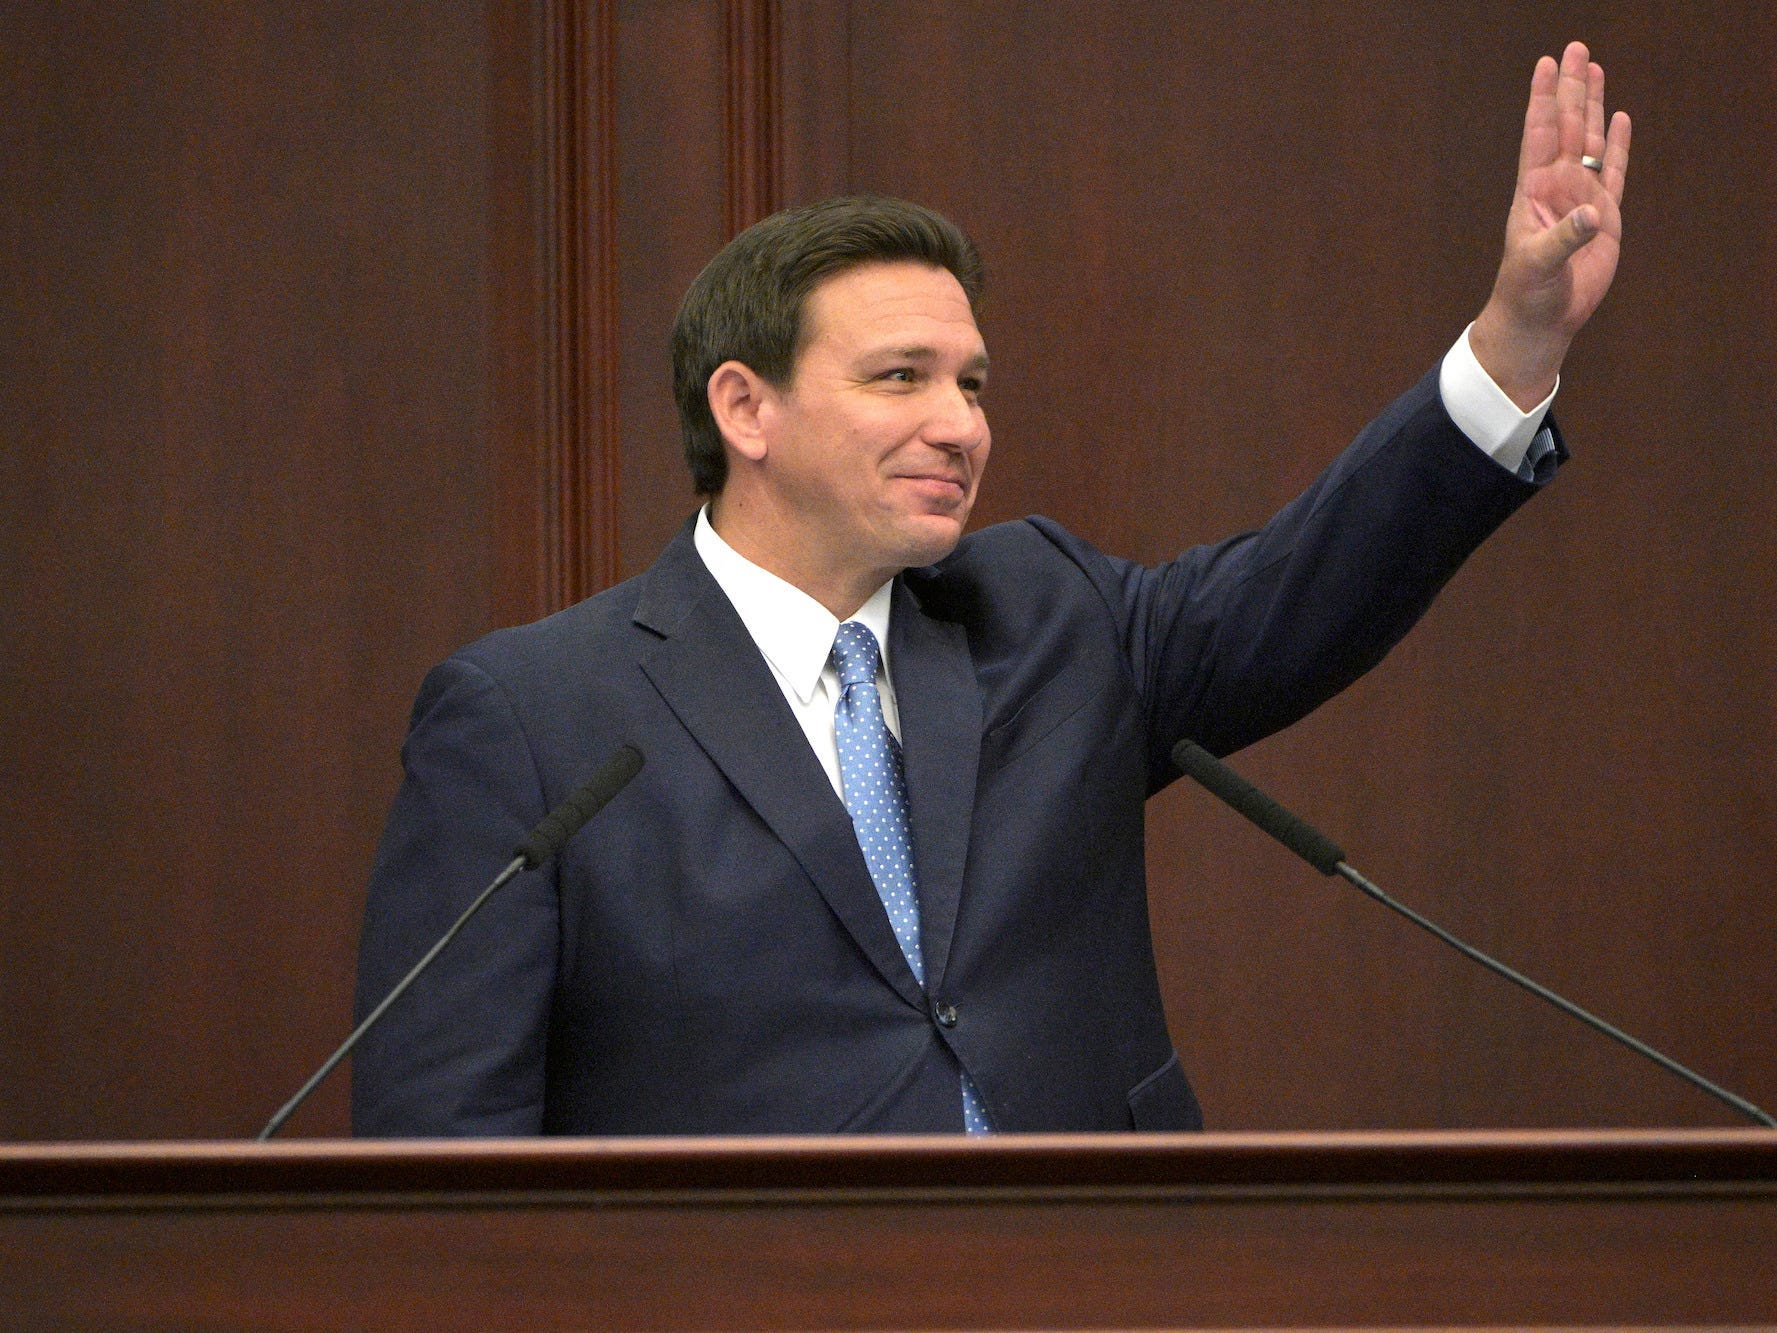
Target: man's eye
{"type": "Point", "coordinates": [904, 375]}
{"type": "Point", "coordinates": [972, 386]}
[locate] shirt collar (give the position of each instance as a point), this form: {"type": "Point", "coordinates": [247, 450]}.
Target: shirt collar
{"type": "Point", "coordinates": [793, 631]}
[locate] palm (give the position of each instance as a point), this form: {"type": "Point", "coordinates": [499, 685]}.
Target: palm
{"type": "Point", "coordinates": [1564, 296]}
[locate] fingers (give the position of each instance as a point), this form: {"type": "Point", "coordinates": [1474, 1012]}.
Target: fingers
{"type": "Point", "coordinates": [1616, 156]}
{"type": "Point", "coordinates": [1552, 249]}
{"type": "Point", "coordinates": [1570, 101]}
{"type": "Point", "coordinates": [1595, 111]}
{"type": "Point", "coordinates": [1565, 119]}
{"type": "Point", "coordinates": [1541, 139]}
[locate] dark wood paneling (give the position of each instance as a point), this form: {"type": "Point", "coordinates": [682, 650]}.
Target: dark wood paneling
{"type": "Point", "coordinates": [752, 134]}
{"type": "Point", "coordinates": [551, 293]}
{"type": "Point", "coordinates": [305, 388]}
{"type": "Point", "coordinates": [579, 88]}
{"type": "Point", "coordinates": [246, 499]}
{"type": "Point", "coordinates": [675, 169]}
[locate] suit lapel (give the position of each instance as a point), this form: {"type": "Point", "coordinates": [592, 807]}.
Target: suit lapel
{"type": "Point", "coordinates": [713, 677]}
{"type": "Point", "coordinates": [939, 699]}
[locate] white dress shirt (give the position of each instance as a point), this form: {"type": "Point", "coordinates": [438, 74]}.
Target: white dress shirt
{"type": "Point", "coordinates": [1481, 410]}
{"type": "Point", "coordinates": [795, 633]}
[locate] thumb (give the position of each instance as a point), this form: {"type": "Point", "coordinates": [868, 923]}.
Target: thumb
{"type": "Point", "coordinates": [1549, 251]}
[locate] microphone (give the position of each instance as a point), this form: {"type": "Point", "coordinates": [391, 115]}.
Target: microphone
{"type": "Point", "coordinates": [565, 820]}
{"type": "Point", "coordinates": [1324, 855]}
{"type": "Point", "coordinates": [538, 846]}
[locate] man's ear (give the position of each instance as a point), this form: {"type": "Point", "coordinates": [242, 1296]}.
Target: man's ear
{"type": "Point", "coordinates": [740, 401]}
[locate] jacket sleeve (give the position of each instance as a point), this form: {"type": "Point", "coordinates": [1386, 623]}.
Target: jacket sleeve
{"type": "Point", "coordinates": [462, 1053]}
{"type": "Point", "coordinates": [1233, 641]}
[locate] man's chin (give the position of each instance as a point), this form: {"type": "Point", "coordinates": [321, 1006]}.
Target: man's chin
{"type": "Point", "coordinates": [931, 537]}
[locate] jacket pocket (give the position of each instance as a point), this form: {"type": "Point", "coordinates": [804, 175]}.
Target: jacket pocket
{"type": "Point", "coordinates": [1164, 1101]}
{"type": "Point", "coordinates": [1054, 702]}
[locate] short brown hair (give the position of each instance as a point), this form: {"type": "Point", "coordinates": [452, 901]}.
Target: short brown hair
{"type": "Point", "coordinates": [747, 303]}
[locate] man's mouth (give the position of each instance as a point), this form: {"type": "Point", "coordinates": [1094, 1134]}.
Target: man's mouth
{"type": "Point", "coordinates": [939, 494]}
{"type": "Point", "coordinates": [939, 481]}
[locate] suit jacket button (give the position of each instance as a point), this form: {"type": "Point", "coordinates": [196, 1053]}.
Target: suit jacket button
{"type": "Point", "coordinates": [945, 1014]}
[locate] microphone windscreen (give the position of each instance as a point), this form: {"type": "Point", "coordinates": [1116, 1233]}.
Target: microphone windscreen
{"type": "Point", "coordinates": [565, 820]}
{"type": "Point", "coordinates": [1293, 832]}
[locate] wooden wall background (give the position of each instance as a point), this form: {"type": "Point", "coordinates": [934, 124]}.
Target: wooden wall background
{"type": "Point", "coordinates": [333, 335]}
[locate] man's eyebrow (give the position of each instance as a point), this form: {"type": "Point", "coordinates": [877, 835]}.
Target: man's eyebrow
{"type": "Point", "coordinates": [920, 352]}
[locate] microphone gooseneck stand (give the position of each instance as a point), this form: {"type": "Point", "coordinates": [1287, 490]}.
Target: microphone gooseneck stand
{"type": "Point", "coordinates": [1324, 855]}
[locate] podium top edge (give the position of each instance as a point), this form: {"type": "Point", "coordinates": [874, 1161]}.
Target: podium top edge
{"type": "Point", "coordinates": [714, 1168]}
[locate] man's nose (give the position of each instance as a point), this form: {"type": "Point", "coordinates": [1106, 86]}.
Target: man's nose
{"type": "Point", "coordinates": [955, 421]}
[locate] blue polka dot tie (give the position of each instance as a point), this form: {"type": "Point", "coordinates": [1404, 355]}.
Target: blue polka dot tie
{"type": "Point", "coordinates": [876, 796]}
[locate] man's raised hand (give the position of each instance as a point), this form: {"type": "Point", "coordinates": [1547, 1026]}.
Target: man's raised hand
{"type": "Point", "coordinates": [1564, 232]}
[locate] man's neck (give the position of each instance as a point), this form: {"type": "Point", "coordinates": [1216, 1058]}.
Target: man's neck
{"type": "Point", "coordinates": [783, 549]}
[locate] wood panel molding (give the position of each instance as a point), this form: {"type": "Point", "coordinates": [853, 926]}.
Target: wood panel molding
{"type": "Point", "coordinates": [752, 118]}
{"type": "Point", "coordinates": [578, 473]}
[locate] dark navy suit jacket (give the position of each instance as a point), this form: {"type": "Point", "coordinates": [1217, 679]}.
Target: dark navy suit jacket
{"type": "Point", "coordinates": [709, 956]}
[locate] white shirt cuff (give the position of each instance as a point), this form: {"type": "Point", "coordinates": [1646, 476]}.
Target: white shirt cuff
{"type": "Point", "coordinates": [1481, 410]}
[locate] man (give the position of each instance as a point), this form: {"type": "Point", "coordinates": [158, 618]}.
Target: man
{"type": "Point", "coordinates": [883, 869]}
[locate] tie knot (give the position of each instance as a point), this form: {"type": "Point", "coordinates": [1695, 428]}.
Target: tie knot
{"type": "Point", "coordinates": [855, 654]}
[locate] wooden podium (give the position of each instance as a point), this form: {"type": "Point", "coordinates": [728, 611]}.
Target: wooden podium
{"type": "Point", "coordinates": [1217, 1230]}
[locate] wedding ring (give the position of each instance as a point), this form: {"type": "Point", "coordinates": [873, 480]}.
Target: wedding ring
{"type": "Point", "coordinates": [1592, 163]}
